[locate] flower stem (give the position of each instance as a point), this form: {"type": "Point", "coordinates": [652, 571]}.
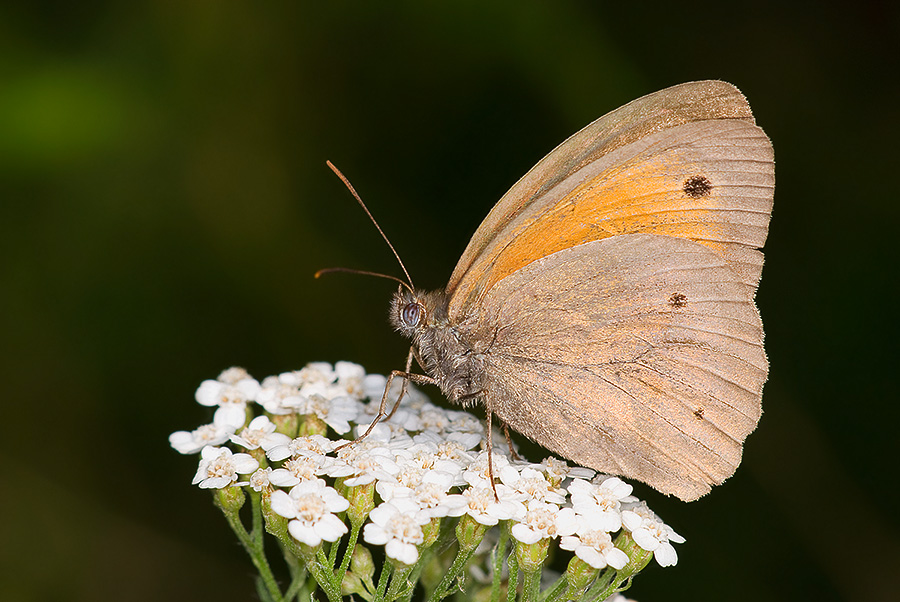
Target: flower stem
{"type": "Point", "coordinates": [446, 585]}
{"type": "Point", "coordinates": [469, 533]}
{"type": "Point", "coordinates": [555, 591]}
{"type": "Point", "coordinates": [253, 545]}
{"type": "Point", "coordinates": [499, 555]}
{"type": "Point", "coordinates": [386, 569]}
{"type": "Point", "coordinates": [531, 586]}
{"type": "Point", "coordinates": [297, 584]}
{"type": "Point", "coordinates": [348, 552]}
{"type": "Point", "coordinates": [399, 583]}
{"type": "Point", "coordinates": [324, 576]}
{"type": "Point", "coordinates": [512, 585]}
{"type": "Point", "coordinates": [297, 571]}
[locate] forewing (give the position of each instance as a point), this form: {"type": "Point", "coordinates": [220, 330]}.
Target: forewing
{"type": "Point", "coordinates": [687, 162]}
{"type": "Point", "coordinates": [637, 355]}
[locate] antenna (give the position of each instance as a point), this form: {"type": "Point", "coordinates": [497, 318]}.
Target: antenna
{"type": "Point", "coordinates": [377, 227]}
{"type": "Point", "coordinates": [364, 273]}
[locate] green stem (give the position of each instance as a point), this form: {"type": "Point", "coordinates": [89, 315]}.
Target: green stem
{"type": "Point", "coordinates": [446, 585]}
{"type": "Point", "coordinates": [399, 583]}
{"type": "Point", "coordinates": [386, 569]}
{"type": "Point", "coordinates": [531, 586]}
{"type": "Point", "coordinates": [297, 583]}
{"type": "Point", "coordinates": [555, 591]}
{"type": "Point", "coordinates": [498, 556]}
{"type": "Point", "coordinates": [512, 585]}
{"type": "Point", "coordinates": [424, 558]}
{"type": "Point", "coordinates": [254, 549]}
{"type": "Point", "coordinates": [256, 517]}
{"type": "Point", "coordinates": [297, 571]}
{"type": "Point", "coordinates": [332, 553]}
{"type": "Point", "coordinates": [324, 576]}
{"type": "Point", "coordinates": [348, 552]}
{"type": "Point", "coordinates": [604, 587]}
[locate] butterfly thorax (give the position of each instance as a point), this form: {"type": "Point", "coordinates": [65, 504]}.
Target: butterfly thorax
{"type": "Point", "coordinates": [440, 345]}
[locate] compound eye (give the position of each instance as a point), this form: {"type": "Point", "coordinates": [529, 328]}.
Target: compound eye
{"type": "Point", "coordinates": [412, 314]}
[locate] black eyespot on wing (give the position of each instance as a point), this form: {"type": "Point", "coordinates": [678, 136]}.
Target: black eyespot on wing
{"type": "Point", "coordinates": [697, 187]}
{"type": "Point", "coordinates": [678, 300]}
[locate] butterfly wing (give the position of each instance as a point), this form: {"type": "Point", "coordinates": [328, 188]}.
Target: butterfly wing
{"type": "Point", "coordinates": [687, 162]}
{"type": "Point", "coordinates": [637, 355]}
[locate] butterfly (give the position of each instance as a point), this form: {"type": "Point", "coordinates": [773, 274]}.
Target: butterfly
{"type": "Point", "coordinates": [605, 307]}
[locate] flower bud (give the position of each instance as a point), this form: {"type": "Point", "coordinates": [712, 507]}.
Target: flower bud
{"type": "Point", "coordinates": [579, 575]}
{"type": "Point", "coordinates": [276, 524]}
{"type": "Point", "coordinates": [431, 532]}
{"type": "Point", "coordinates": [310, 424]}
{"type": "Point", "coordinates": [286, 424]}
{"type": "Point", "coordinates": [638, 557]}
{"type": "Point", "coordinates": [229, 499]}
{"type": "Point", "coordinates": [361, 562]}
{"type": "Point", "coordinates": [469, 532]}
{"type": "Point", "coordinates": [531, 556]}
{"type": "Point", "coordinates": [351, 584]}
{"type": "Point", "coordinates": [361, 498]}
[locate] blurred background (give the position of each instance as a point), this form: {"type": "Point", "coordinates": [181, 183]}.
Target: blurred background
{"type": "Point", "coordinates": [164, 203]}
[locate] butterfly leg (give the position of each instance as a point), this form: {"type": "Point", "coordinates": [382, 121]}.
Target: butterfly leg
{"type": "Point", "coordinates": [490, 452]}
{"type": "Point", "coordinates": [512, 450]}
{"type": "Point", "coordinates": [407, 376]}
{"type": "Point", "coordinates": [409, 359]}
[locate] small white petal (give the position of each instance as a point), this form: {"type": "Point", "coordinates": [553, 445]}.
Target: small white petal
{"type": "Point", "coordinates": [374, 534]}
{"type": "Point", "coordinates": [304, 533]}
{"type": "Point", "coordinates": [591, 556]}
{"type": "Point", "coordinates": [232, 415]}
{"type": "Point", "coordinates": [208, 393]}
{"type": "Point", "coordinates": [244, 463]}
{"type": "Point", "coordinates": [330, 528]}
{"type": "Point", "coordinates": [404, 552]}
{"type": "Point", "coordinates": [283, 505]}
{"type": "Point", "coordinates": [643, 538]}
{"type": "Point", "coordinates": [524, 534]}
{"type": "Point", "coordinates": [631, 520]}
{"type": "Point", "coordinates": [665, 555]}
{"type": "Point", "coordinates": [616, 558]}
{"type": "Point", "coordinates": [566, 522]}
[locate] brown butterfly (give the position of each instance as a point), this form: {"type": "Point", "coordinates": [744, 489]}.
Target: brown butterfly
{"type": "Point", "coordinates": [605, 306]}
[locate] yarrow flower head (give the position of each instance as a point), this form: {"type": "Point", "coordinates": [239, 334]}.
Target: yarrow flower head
{"type": "Point", "coordinates": [542, 520]}
{"type": "Point", "coordinates": [651, 533]}
{"type": "Point", "coordinates": [600, 501]}
{"type": "Point", "coordinates": [307, 445]}
{"type": "Point", "coordinates": [260, 433]}
{"type": "Point", "coordinates": [230, 393]}
{"type": "Point", "coordinates": [362, 463]}
{"type": "Point", "coordinates": [532, 484]}
{"type": "Point", "coordinates": [421, 475]}
{"type": "Point", "coordinates": [487, 505]}
{"type": "Point", "coordinates": [219, 467]}
{"type": "Point", "coordinates": [594, 546]}
{"type": "Point", "coordinates": [191, 442]}
{"type": "Point", "coordinates": [310, 506]}
{"type": "Point", "coordinates": [398, 526]}
{"type": "Point", "coordinates": [259, 480]}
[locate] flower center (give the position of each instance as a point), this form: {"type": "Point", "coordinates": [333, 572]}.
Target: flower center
{"type": "Point", "coordinates": [406, 529]}
{"type": "Point", "coordinates": [310, 508]}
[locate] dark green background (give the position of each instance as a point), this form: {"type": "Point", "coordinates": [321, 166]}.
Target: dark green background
{"type": "Point", "coordinates": [165, 202]}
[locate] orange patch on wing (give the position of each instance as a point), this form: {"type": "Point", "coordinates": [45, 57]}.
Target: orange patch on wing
{"type": "Point", "coordinates": [642, 196]}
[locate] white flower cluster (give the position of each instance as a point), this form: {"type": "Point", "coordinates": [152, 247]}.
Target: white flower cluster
{"type": "Point", "coordinates": [424, 462]}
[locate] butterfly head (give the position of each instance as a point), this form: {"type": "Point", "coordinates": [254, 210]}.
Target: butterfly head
{"type": "Point", "coordinates": [415, 311]}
